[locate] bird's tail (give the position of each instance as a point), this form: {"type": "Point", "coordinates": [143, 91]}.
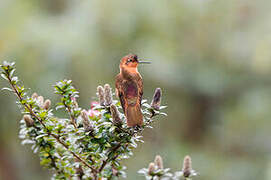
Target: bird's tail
{"type": "Point", "coordinates": [134, 116]}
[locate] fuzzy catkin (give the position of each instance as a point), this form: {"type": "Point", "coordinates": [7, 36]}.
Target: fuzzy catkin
{"type": "Point", "coordinates": [74, 102]}
{"type": "Point", "coordinates": [187, 166]}
{"type": "Point", "coordinates": [34, 96]}
{"type": "Point", "coordinates": [40, 101]}
{"type": "Point", "coordinates": [28, 120]}
{"type": "Point", "coordinates": [159, 162]}
{"type": "Point", "coordinates": [107, 95]}
{"type": "Point", "coordinates": [115, 115]}
{"type": "Point", "coordinates": [151, 168]}
{"type": "Point", "coordinates": [47, 104]}
{"type": "Point", "coordinates": [86, 122]}
{"type": "Point", "coordinates": [100, 94]}
{"type": "Point", "coordinates": [156, 100]}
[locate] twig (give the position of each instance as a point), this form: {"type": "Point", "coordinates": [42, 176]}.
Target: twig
{"type": "Point", "coordinates": [106, 161]}
{"type": "Point", "coordinates": [73, 121]}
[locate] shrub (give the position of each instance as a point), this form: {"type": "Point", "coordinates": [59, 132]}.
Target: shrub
{"type": "Point", "coordinates": [91, 143]}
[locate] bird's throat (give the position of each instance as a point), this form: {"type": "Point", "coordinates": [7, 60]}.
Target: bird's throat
{"type": "Point", "coordinates": [128, 70]}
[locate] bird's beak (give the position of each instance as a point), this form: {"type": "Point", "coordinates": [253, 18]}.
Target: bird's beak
{"type": "Point", "coordinates": [144, 62]}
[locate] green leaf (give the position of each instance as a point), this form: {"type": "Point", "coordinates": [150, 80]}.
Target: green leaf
{"type": "Point", "coordinates": [164, 114]}
{"type": "Point", "coordinates": [40, 136]}
{"type": "Point", "coordinates": [60, 107]}
{"type": "Point", "coordinates": [4, 76]}
{"type": "Point", "coordinates": [162, 107]}
{"type": "Point", "coordinates": [15, 79]}
{"type": "Point", "coordinates": [8, 89]}
{"type": "Point", "coordinates": [11, 72]}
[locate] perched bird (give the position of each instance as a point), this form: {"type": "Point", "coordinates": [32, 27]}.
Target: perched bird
{"type": "Point", "coordinates": [129, 88]}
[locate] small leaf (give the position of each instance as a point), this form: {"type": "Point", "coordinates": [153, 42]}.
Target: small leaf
{"type": "Point", "coordinates": [27, 141]}
{"type": "Point", "coordinates": [60, 107]}
{"type": "Point", "coordinates": [12, 72]}
{"type": "Point", "coordinates": [4, 76]}
{"type": "Point", "coordinates": [164, 114]}
{"type": "Point", "coordinates": [162, 107]}
{"type": "Point", "coordinates": [143, 101]}
{"type": "Point", "coordinates": [14, 80]}
{"type": "Point", "coordinates": [8, 89]}
{"type": "Point", "coordinates": [40, 136]}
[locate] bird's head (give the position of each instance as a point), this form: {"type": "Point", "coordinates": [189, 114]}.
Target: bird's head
{"type": "Point", "coordinates": [131, 62]}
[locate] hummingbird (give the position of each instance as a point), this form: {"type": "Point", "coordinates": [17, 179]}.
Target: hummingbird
{"type": "Point", "coordinates": [129, 89]}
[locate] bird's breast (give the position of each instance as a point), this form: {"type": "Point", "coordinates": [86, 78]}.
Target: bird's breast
{"type": "Point", "coordinates": [131, 90]}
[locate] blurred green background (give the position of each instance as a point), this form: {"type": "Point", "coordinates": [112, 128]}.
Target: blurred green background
{"type": "Point", "coordinates": [212, 58]}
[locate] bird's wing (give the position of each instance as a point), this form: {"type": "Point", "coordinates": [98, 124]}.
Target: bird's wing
{"type": "Point", "coordinates": [140, 89]}
{"type": "Point", "coordinates": [119, 90]}
{"type": "Point", "coordinates": [130, 92]}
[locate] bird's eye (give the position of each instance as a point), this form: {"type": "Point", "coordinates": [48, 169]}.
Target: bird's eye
{"type": "Point", "coordinates": [130, 60]}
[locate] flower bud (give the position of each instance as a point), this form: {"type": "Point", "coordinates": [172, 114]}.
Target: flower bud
{"type": "Point", "coordinates": [159, 162]}
{"type": "Point", "coordinates": [100, 93]}
{"type": "Point", "coordinates": [151, 168]}
{"type": "Point", "coordinates": [47, 104]}
{"type": "Point", "coordinates": [187, 166]}
{"type": "Point", "coordinates": [34, 96]}
{"type": "Point", "coordinates": [156, 101]}
{"type": "Point", "coordinates": [74, 102]}
{"type": "Point", "coordinates": [115, 115]}
{"type": "Point", "coordinates": [86, 122]}
{"type": "Point", "coordinates": [28, 120]}
{"type": "Point", "coordinates": [107, 95]}
{"type": "Point", "coordinates": [40, 100]}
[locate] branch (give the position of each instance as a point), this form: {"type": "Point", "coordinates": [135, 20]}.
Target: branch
{"type": "Point", "coordinates": [57, 137]}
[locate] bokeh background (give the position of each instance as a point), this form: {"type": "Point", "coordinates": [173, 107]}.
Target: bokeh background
{"type": "Point", "coordinates": [212, 58]}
